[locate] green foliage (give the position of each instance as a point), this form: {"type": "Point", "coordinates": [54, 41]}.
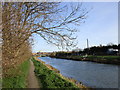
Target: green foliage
{"type": "Point", "coordinates": [104, 57]}
{"type": "Point", "coordinates": [18, 81]}
{"type": "Point", "coordinates": [94, 58]}
{"type": "Point", "coordinates": [49, 78]}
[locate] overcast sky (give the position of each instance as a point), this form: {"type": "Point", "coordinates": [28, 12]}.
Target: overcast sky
{"type": "Point", "coordinates": [101, 27]}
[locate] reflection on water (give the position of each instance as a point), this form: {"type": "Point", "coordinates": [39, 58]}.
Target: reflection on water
{"type": "Point", "coordinates": [89, 73]}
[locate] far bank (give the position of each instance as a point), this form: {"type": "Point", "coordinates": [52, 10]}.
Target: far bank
{"type": "Point", "coordinates": [98, 59]}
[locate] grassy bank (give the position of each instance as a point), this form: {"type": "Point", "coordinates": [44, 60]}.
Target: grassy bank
{"type": "Point", "coordinates": [19, 79]}
{"type": "Point", "coordinates": [51, 79]}
{"type": "Point", "coordinates": [98, 59]}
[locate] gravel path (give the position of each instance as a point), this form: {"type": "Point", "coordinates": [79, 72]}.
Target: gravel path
{"type": "Point", "coordinates": [32, 79]}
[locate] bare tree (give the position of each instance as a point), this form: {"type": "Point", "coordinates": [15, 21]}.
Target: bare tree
{"type": "Point", "coordinates": [51, 20]}
{"type": "Point", "coordinates": [13, 52]}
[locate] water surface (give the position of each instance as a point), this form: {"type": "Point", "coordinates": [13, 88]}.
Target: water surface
{"type": "Point", "coordinates": [89, 73]}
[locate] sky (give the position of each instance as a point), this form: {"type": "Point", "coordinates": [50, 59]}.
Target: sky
{"type": "Point", "coordinates": [100, 27]}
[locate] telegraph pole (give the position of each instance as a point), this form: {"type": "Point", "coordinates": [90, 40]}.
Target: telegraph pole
{"type": "Point", "coordinates": [87, 44]}
{"type": "Point", "coordinates": [87, 47]}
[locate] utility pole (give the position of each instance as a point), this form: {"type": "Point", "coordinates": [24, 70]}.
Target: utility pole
{"type": "Point", "coordinates": [87, 44]}
{"type": "Point", "coordinates": [87, 47]}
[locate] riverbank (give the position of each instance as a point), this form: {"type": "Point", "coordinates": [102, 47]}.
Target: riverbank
{"type": "Point", "coordinates": [18, 76]}
{"type": "Point", "coordinates": [98, 59]}
{"type": "Point", "coordinates": [51, 78]}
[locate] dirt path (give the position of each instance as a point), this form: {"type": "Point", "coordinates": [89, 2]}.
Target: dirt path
{"type": "Point", "coordinates": [32, 79]}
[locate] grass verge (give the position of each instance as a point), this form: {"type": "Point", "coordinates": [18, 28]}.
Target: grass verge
{"type": "Point", "coordinates": [20, 79]}
{"type": "Point", "coordinates": [51, 79]}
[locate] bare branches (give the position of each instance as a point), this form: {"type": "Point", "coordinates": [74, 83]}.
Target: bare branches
{"type": "Point", "coordinates": [53, 21]}
{"type": "Point", "coordinates": [47, 17]}
{"type": "Point", "coordinates": [47, 21]}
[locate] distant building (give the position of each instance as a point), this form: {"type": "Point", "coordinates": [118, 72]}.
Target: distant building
{"type": "Point", "coordinates": [112, 51]}
{"type": "Point", "coordinates": [76, 51]}
{"type": "Point", "coordinates": [119, 52]}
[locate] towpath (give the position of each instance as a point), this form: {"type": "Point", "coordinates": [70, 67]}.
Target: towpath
{"type": "Point", "coordinates": [32, 79]}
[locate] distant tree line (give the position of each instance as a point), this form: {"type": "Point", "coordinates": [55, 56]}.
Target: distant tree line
{"type": "Point", "coordinates": [95, 50]}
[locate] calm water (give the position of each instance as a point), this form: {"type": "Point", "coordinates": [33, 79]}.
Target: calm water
{"type": "Point", "coordinates": [89, 73]}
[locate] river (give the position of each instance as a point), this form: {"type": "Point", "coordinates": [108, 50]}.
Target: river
{"type": "Point", "coordinates": [89, 73]}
